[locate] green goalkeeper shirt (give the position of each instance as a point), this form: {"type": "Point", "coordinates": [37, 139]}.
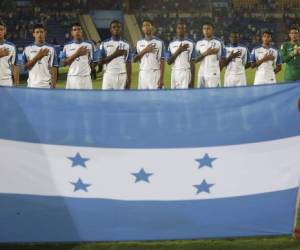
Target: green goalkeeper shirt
{"type": "Point", "coordinates": [292, 68]}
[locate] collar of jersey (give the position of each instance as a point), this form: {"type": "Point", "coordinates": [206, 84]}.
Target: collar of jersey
{"type": "Point", "coordinates": [79, 42]}
{"type": "Point", "coordinates": [212, 38]}
{"type": "Point", "coordinates": [39, 45]}
{"type": "Point", "coordinates": [117, 40]}
{"type": "Point", "coordinates": [4, 41]}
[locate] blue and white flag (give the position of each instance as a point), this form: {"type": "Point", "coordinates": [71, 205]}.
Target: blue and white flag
{"type": "Point", "coordinates": [148, 165]}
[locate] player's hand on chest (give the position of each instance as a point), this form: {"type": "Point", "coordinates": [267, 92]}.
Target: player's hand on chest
{"type": "Point", "coordinates": [5, 52]}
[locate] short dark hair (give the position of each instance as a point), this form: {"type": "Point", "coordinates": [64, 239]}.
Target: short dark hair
{"type": "Point", "coordinates": [235, 32]}
{"type": "Point", "coordinates": [148, 21]}
{"type": "Point", "coordinates": [114, 22]}
{"type": "Point", "coordinates": [2, 24]}
{"type": "Point", "coordinates": [38, 26]}
{"type": "Point", "coordinates": [294, 27]}
{"type": "Point", "coordinates": [268, 32]}
{"type": "Point", "coordinates": [208, 24]}
{"type": "Point", "coordinates": [75, 25]}
{"type": "Point", "coordinates": [180, 23]}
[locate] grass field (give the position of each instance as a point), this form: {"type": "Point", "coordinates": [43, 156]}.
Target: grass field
{"type": "Point", "coordinates": [167, 78]}
{"type": "Point", "coordinates": [275, 243]}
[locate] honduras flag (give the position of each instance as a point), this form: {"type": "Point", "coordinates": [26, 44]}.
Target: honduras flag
{"type": "Point", "coordinates": [148, 165]}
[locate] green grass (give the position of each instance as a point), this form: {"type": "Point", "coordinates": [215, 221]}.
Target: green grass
{"type": "Point", "coordinates": [167, 77]}
{"type": "Point", "coordinates": [273, 243]}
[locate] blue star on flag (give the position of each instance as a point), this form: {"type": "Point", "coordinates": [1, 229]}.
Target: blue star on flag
{"type": "Point", "coordinates": [203, 187]}
{"type": "Point", "coordinates": [77, 160]}
{"type": "Point", "coordinates": [80, 185]}
{"type": "Point", "coordinates": [142, 175]}
{"type": "Point", "coordinates": [206, 161]}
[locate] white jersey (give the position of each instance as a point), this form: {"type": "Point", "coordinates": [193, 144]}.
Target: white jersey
{"type": "Point", "coordinates": [117, 65]}
{"type": "Point", "coordinates": [6, 63]}
{"type": "Point", "coordinates": [265, 71]}
{"type": "Point", "coordinates": [81, 65]}
{"type": "Point", "coordinates": [210, 65]}
{"type": "Point", "coordinates": [39, 75]}
{"type": "Point", "coordinates": [237, 65]}
{"type": "Point", "coordinates": [151, 61]}
{"type": "Point", "coordinates": [183, 60]}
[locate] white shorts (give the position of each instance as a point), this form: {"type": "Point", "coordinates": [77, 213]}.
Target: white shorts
{"type": "Point", "coordinates": [264, 79]}
{"type": "Point", "coordinates": [79, 82]}
{"type": "Point", "coordinates": [114, 81]}
{"type": "Point", "coordinates": [180, 79]}
{"type": "Point", "coordinates": [7, 82]}
{"type": "Point", "coordinates": [149, 79]}
{"type": "Point", "coordinates": [208, 81]}
{"type": "Point", "coordinates": [231, 80]}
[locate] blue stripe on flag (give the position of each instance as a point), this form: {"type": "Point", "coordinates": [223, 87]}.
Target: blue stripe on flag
{"type": "Point", "coordinates": [26, 218]}
{"type": "Point", "coordinates": [150, 119]}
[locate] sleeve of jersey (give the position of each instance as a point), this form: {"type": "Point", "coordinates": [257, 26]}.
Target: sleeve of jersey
{"type": "Point", "coordinates": [129, 56]}
{"type": "Point", "coordinates": [102, 53]}
{"type": "Point", "coordinates": [194, 53]}
{"type": "Point", "coordinates": [63, 54]}
{"type": "Point", "coordinates": [222, 52]}
{"type": "Point", "coordinates": [23, 60]}
{"type": "Point", "coordinates": [278, 60]}
{"type": "Point", "coordinates": [54, 60]}
{"type": "Point", "coordinates": [252, 56]}
{"type": "Point", "coordinates": [95, 54]}
{"type": "Point", "coordinates": [168, 54]}
{"type": "Point", "coordinates": [14, 60]}
{"type": "Point", "coordinates": [248, 56]}
{"type": "Point", "coordinates": [163, 51]}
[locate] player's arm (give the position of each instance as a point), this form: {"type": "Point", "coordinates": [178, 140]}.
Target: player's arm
{"type": "Point", "coordinates": [4, 52]}
{"type": "Point", "coordinates": [286, 56]}
{"type": "Point", "coordinates": [192, 82]}
{"type": "Point", "coordinates": [172, 58]}
{"type": "Point", "coordinates": [53, 73]}
{"type": "Point", "coordinates": [128, 69]}
{"type": "Point", "coordinates": [208, 52]}
{"type": "Point", "coordinates": [53, 69]}
{"type": "Point", "coordinates": [267, 57]}
{"type": "Point", "coordinates": [39, 56]}
{"type": "Point", "coordinates": [129, 73]}
{"type": "Point", "coordinates": [82, 51]}
{"type": "Point", "coordinates": [192, 63]}
{"type": "Point", "coordinates": [118, 52]}
{"type": "Point", "coordinates": [226, 60]}
{"type": "Point", "coordinates": [149, 49]}
{"type": "Point", "coordinates": [278, 64]}
{"type": "Point", "coordinates": [15, 68]}
{"type": "Point", "coordinates": [162, 67]}
{"type": "Point", "coordinates": [16, 74]}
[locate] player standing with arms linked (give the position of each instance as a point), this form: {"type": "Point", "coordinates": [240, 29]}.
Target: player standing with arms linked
{"type": "Point", "coordinates": [266, 60]}
{"type": "Point", "coordinates": [40, 60]}
{"type": "Point", "coordinates": [181, 55]}
{"type": "Point", "coordinates": [116, 56]}
{"type": "Point", "coordinates": [80, 56]}
{"type": "Point", "coordinates": [151, 55]}
{"type": "Point", "coordinates": [210, 52]}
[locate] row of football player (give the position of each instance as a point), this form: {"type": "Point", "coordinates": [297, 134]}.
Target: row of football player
{"type": "Point", "coordinates": [41, 62]}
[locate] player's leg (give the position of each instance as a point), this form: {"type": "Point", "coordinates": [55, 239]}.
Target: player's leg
{"type": "Point", "coordinates": [240, 80]}
{"type": "Point", "coordinates": [154, 79]}
{"type": "Point", "coordinates": [173, 79]}
{"type": "Point", "coordinates": [121, 81]}
{"type": "Point", "coordinates": [142, 80]}
{"type": "Point", "coordinates": [107, 82]}
{"type": "Point", "coordinates": [7, 83]}
{"type": "Point", "coordinates": [212, 82]}
{"type": "Point", "coordinates": [201, 80]}
{"type": "Point", "coordinates": [183, 79]}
